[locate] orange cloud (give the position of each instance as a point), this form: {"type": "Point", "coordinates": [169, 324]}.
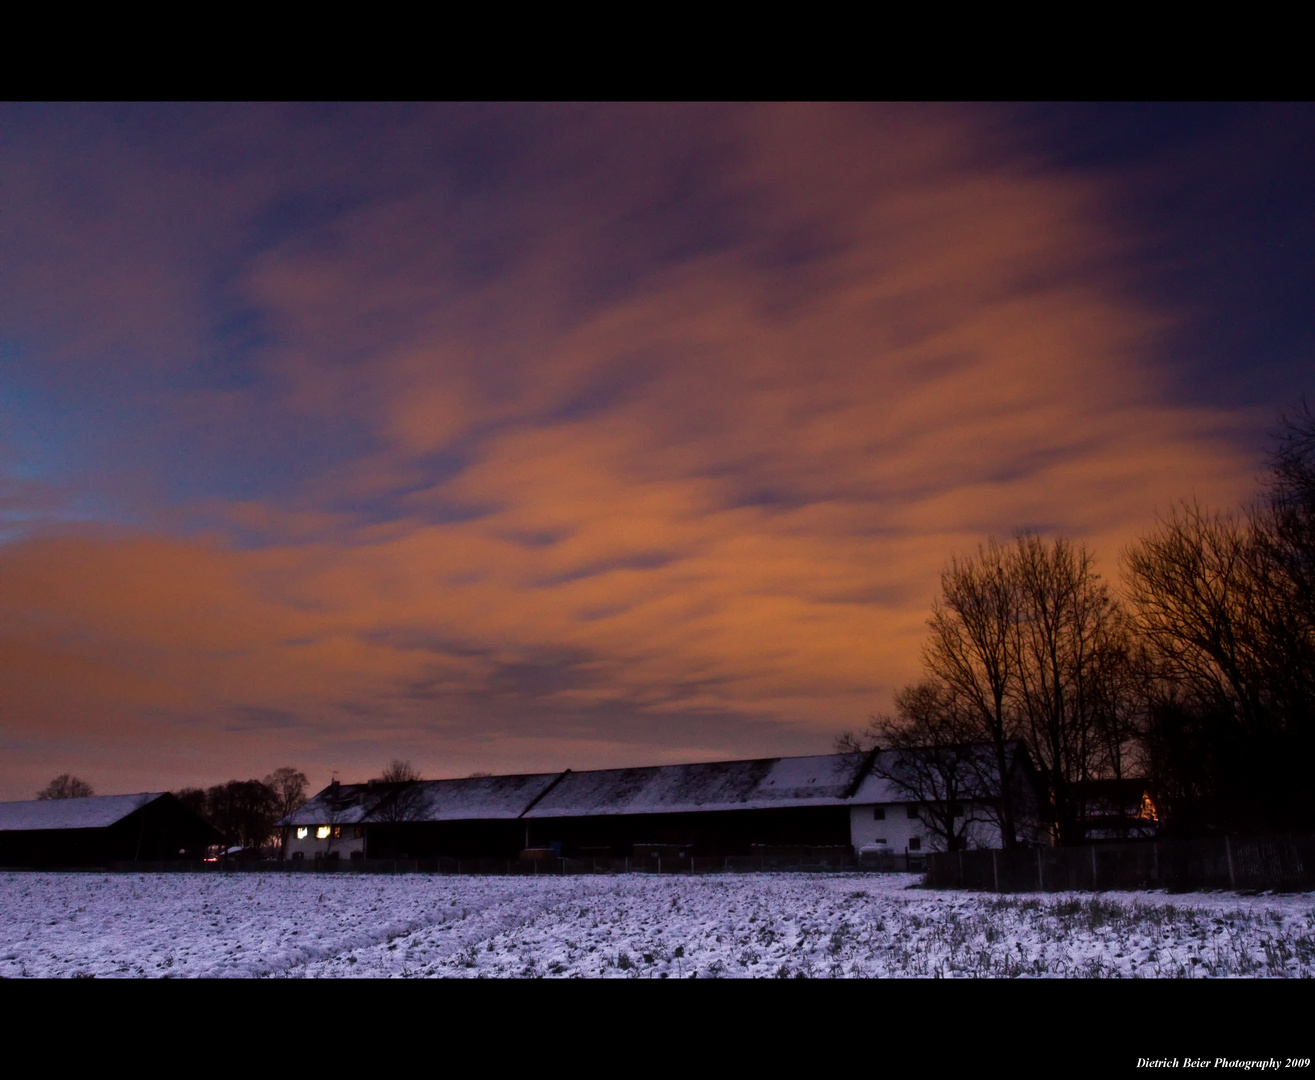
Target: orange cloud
{"type": "Point", "coordinates": [715, 503]}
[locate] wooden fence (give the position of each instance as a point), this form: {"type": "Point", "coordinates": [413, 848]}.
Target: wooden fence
{"type": "Point", "coordinates": [1226, 862]}
{"type": "Point", "coordinates": [664, 864]}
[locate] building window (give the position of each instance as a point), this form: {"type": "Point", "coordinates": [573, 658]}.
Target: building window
{"type": "Point", "coordinates": [302, 832]}
{"type": "Point", "coordinates": [878, 813]}
{"type": "Point", "coordinates": [915, 844]}
{"type": "Point", "coordinates": [322, 833]}
{"type": "Point", "coordinates": [337, 832]}
{"type": "Point", "coordinates": [912, 811]}
{"type": "Point", "coordinates": [358, 832]}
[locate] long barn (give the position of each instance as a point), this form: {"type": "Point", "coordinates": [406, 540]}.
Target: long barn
{"type": "Point", "coordinates": [836, 802]}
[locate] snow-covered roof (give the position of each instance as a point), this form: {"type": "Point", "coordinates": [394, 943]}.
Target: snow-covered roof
{"type": "Point", "coordinates": [758, 784]}
{"type": "Point", "coordinates": [473, 798]}
{"type": "Point", "coordinates": [476, 797]}
{"type": "Point", "coordinates": [876, 788]}
{"type": "Point", "coordinates": [340, 804]}
{"type": "Point", "coordinates": [92, 812]}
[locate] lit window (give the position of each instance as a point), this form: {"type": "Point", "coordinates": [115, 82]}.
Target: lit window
{"type": "Point", "coordinates": [322, 833]}
{"type": "Point", "coordinates": [337, 832]}
{"type": "Point", "coordinates": [302, 832]}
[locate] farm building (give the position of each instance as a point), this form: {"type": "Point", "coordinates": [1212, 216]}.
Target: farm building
{"type": "Point", "coordinates": [476, 816]}
{"type": "Point", "coordinates": [884, 816]}
{"type": "Point", "coordinates": [1116, 810]}
{"type": "Point", "coordinates": [831, 802]}
{"type": "Point", "coordinates": [101, 829]}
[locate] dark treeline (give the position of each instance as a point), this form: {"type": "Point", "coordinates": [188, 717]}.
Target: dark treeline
{"type": "Point", "coordinates": [1200, 679]}
{"type": "Point", "coordinates": [245, 811]}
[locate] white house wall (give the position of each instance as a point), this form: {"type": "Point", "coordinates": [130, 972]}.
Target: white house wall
{"type": "Point", "coordinates": [309, 846]}
{"type": "Point", "coordinates": [895, 828]}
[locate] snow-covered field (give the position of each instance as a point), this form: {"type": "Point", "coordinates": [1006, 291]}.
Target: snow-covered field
{"type": "Point", "coordinates": [629, 926]}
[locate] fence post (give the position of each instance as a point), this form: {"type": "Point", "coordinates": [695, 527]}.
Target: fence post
{"type": "Point", "coordinates": [1228, 852]}
{"type": "Point", "coordinates": [1094, 886]}
{"type": "Point", "coordinates": [961, 869]}
{"type": "Point", "coordinates": [995, 870]}
{"type": "Point", "coordinates": [1040, 878]}
{"type": "Point", "coordinates": [1155, 862]}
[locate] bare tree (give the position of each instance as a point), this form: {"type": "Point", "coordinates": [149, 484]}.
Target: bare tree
{"type": "Point", "coordinates": [404, 802]}
{"type": "Point", "coordinates": [1199, 607]}
{"type": "Point", "coordinates": [971, 651]}
{"type": "Point", "coordinates": [1290, 493]}
{"type": "Point", "coordinates": [289, 787]}
{"type": "Point", "coordinates": [929, 756]}
{"type": "Point", "coordinates": [1225, 603]}
{"type": "Point", "coordinates": [1071, 646]}
{"type": "Point", "coordinates": [65, 786]}
{"type": "Point", "coordinates": [1026, 642]}
{"type": "Point", "coordinates": [1288, 545]}
{"type": "Point", "coordinates": [399, 771]}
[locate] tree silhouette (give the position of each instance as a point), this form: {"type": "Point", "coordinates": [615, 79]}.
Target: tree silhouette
{"type": "Point", "coordinates": [399, 772]}
{"type": "Point", "coordinates": [289, 787]}
{"type": "Point", "coordinates": [65, 786]}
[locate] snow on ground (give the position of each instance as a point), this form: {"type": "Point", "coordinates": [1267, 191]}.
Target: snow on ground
{"type": "Point", "coordinates": [630, 926]}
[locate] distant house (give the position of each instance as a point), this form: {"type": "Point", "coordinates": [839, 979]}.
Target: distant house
{"type": "Point", "coordinates": [830, 802]}
{"type": "Point", "coordinates": [101, 829]}
{"type": "Point", "coordinates": [1116, 810]}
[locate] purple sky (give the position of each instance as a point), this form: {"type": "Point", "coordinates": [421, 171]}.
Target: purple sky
{"type": "Point", "coordinates": [514, 438]}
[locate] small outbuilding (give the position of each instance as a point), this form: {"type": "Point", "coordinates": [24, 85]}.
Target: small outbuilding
{"type": "Point", "coordinates": [101, 829]}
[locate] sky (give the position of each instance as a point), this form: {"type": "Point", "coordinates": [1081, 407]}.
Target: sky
{"type": "Point", "coordinates": [512, 438]}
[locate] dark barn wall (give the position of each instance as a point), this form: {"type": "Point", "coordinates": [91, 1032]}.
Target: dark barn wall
{"type": "Point", "coordinates": [54, 847]}
{"type": "Point", "coordinates": [712, 833]}
{"type": "Point", "coordinates": [160, 831]}
{"type": "Point", "coordinates": [717, 832]}
{"type": "Point", "coordinates": [153, 833]}
{"type": "Point", "coordinates": [454, 839]}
